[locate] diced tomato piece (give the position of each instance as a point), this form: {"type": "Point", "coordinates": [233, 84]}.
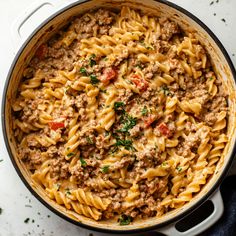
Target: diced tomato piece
{"type": "Point", "coordinates": [108, 75]}
{"type": "Point", "coordinates": [56, 125]}
{"type": "Point", "coordinates": [41, 51]}
{"type": "Point", "coordinates": [149, 120]}
{"type": "Point", "coordinates": [164, 130]}
{"type": "Point", "coordinates": [141, 83]}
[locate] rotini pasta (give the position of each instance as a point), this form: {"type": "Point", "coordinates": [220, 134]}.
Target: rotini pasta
{"type": "Point", "coordinates": [120, 114]}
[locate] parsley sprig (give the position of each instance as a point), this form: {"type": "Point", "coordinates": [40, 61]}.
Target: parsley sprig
{"type": "Point", "coordinates": [144, 111]}
{"type": "Point", "coordinates": [83, 162]}
{"type": "Point", "coordinates": [125, 220]}
{"type": "Point", "coordinates": [119, 107]}
{"type": "Point", "coordinates": [129, 122]}
{"type": "Point", "coordinates": [105, 169]}
{"type": "Point", "coordinates": [94, 80]}
{"type": "Point", "coordinates": [92, 62]}
{"type": "Point", "coordinates": [83, 71]}
{"type": "Point", "coordinates": [127, 144]}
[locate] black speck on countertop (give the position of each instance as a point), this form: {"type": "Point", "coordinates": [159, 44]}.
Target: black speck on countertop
{"type": "Point", "coordinates": [26, 220]}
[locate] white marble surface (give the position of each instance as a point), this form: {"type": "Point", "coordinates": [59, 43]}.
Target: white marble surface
{"type": "Point", "coordinates": [15, 200]}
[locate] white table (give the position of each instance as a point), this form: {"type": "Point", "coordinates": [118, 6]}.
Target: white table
{"type": "Point", "coordinates": [15, 199]}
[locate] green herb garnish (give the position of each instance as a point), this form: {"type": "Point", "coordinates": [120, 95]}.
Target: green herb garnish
{"type": "Point", "coordinates": [211, 78]}
{"type": "Point", "coordinates": [166, 90]}
{"type": "Point", "coordinates": [89, 140]}
{"type": "Point", "coordinates": [83, 71]}
{"type": "Point", "coordinates": [83, 162]}
{"type": "Point", "coordinates": [93, 79]}
{"type": "Point", "coordinates": [144, 111]}
{"type": "Point", "coordinates": [92, 62]}
{"type": "Point", "coordinates": [124, 219]}
{"type": "Point", "coordinates": [71, 154]}
{"type": "Point", "coordinates": [179, 168]}
{"type": "Point", "coordinates": [127, 144]}
{"type": "Point", "coordinates": [118, 105]}
{"type": "Point", "coordinates": [129, 122]}
{"type": "Point", "coordinates": [105, 169]}
{"type": "Point", "coordinates": [1, 210]}
{"type": "Point", "coordinates": [26, 220]}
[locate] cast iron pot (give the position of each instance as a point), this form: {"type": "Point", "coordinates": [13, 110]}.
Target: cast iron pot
{"type": "Point", "coordinates": [223, 66]}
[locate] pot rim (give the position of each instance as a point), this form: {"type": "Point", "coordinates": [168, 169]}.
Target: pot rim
{"type": "Point", "coordinates": [57, 212]}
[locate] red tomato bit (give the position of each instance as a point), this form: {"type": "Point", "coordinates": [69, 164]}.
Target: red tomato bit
{"type": "Point", "coordinates": [108, 75]}
{"type": "Point", "coordinates": [164, 130]}
{"type": "Point", "coordinates": [56, 125]}
{"type": "Point", "coordinates": [141, 83]}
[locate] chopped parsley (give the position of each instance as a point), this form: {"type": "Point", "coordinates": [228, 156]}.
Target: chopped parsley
{"type": "Point", "coordinates": [71, 154]}
{"type": "Point", "coordinates": [83, 71]}
{"type": "Point", "coordinates": [165, 90]}
{"type": "Point", "coordinates": [119, 106]}
{"type": "Point", "coordinates": [179, 168]}
{"type": "Point", "coordinates": [26, 221]}
{"type": "Point", "coordinates": [93, 79]}
{"type": "Point", "coordinates": [144, 111]}
{"type": "Point", "coordinates": [124, 219]}
{"type": "Point", "coordinates": [129, 122]}
{"type": "Point", "coordinates": [105, 169]}
{"type": "Point", "coordinates": [1, 210]}
{"type": "Point", "coordinates": [83, 162]}
{"type": "Point", "coordinates": [89, 140]}
{"type": "Point", "coordinates": [127, 144]}
{"type": "Point", "coordinates": [92, 62]}
{"type": "Point", "coordinates": [211, 78]}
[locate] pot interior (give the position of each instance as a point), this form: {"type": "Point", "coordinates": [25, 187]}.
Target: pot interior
{"type": "Point", "coordinates": [157, 8]}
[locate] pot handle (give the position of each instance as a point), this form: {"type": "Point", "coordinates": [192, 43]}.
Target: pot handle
{"type": "Point", "coordinates": [40, 5]}
{"type": "Point", "coordinates": [217, 201]}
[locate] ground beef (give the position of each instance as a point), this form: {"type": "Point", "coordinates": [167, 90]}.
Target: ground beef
{"type": "Point", "coordinates": [125, 95]}
{"type": "Point", "coordinates": [169, 29]}
{"type": "Point", "coordinates": [100, 24]}
{"type": "Point", "coordinates": [59, 168]}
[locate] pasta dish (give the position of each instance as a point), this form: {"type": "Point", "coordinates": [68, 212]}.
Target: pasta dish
{"type": "Point", "coordinates": [121, 115]}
